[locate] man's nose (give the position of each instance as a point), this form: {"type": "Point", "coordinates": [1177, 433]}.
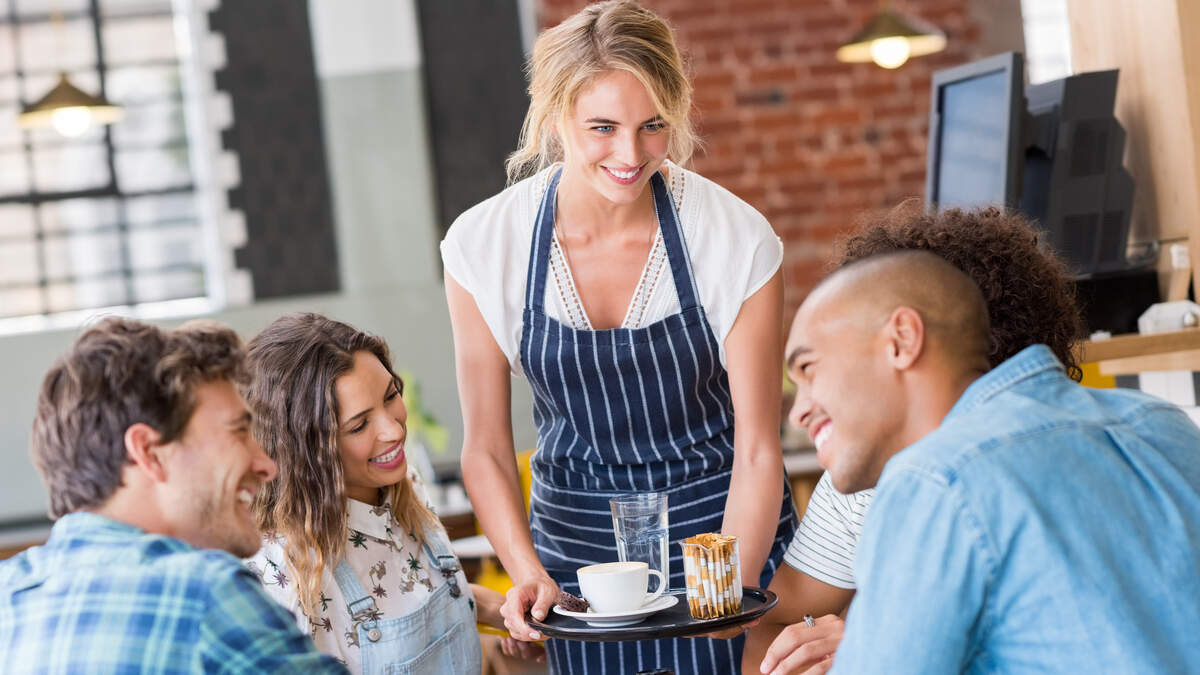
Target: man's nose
{"type": "Point", "coordinates": [801, 409]}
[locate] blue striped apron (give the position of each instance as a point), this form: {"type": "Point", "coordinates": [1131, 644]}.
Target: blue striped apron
{"type": "Point", "coordinates": [629, 410]}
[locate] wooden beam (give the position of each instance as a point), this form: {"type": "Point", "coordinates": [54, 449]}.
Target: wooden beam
{"type": "Point", "coordinates": [1127, 346]}
{"type": "Point", "coordinates": [1156, 46]}
{"type": "Point", "coordinates": [1185, 360]}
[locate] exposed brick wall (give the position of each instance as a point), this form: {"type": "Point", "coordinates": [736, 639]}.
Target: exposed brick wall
{"type": "Point", "coordinates": [809, 141]}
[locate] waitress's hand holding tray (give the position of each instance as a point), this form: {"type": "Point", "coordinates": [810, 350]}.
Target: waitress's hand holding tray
{"type": "Point", "coordinates": [715, 604]}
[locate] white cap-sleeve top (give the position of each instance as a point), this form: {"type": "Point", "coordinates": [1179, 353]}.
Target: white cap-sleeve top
{"type": "Point", "coordinates": [733, 249]}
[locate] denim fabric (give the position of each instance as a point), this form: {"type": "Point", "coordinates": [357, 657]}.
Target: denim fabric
{"type": "Point", "coordinates": [105, 597]}
{"type": "Point", "coordinates": [1044, 527]}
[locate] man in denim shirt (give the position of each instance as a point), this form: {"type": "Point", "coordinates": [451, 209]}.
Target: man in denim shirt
{"type": "Point", "coordinates": [145, 447]}
{"type": "Point", "coordinates": [1022, 522]}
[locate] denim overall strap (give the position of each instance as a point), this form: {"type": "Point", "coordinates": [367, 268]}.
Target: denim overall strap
{"type": "Point", "coordinates": [438, 549]}
{"type": "Point", "coordinates": [359, 602]}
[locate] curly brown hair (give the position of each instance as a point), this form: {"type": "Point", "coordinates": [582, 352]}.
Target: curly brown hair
{"type": "Point", "coordinates": [1029, 294]}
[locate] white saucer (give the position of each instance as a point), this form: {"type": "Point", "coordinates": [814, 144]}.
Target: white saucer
{"type": "Point", "coordinates": [614, 619]}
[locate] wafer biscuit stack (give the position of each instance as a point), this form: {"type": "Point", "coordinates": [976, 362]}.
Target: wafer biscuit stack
{"type": "Point", "coordinates": [713, 574]}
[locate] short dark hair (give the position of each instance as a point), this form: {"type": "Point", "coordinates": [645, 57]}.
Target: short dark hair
{"type": "Point", "coordinates": [118, 373]}
{"type": "Point", "coordinates": [1029, 295]}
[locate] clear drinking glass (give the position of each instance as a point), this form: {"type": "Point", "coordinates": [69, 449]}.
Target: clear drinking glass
{"type": "Point", "coordinates": [640, 525]}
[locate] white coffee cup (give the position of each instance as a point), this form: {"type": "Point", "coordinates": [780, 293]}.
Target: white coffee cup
{"type": "Point", "coordinates": [618, 586]}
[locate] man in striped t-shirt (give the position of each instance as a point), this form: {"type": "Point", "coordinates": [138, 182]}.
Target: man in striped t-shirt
{"type": "Point", "coordinates": [1029, 300]}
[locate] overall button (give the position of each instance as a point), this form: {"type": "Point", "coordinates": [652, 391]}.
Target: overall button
{"type": "Point", "coordinates": [373, 635]}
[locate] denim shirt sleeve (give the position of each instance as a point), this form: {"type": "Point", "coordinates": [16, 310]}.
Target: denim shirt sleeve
{"type": "Point", "coordinates": [924, 566]}
{"type": "Point", "coordinates": [245, 631]}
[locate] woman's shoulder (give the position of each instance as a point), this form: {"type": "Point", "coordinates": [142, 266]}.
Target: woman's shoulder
{"type": "Point", "coordinates": [713, 213]}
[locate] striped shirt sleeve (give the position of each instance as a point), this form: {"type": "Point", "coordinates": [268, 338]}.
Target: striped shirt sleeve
{"type": "Point", "coordinates": [827, 540]}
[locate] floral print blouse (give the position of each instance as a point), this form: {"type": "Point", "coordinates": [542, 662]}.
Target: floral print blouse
{"type": "Point", "coordinates": [388, 561]}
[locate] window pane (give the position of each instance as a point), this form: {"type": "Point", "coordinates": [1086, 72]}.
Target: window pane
{"type": "Point", "coordinates": [158, 247]}
{"type": "Point", "coordinates": [70, 168]}
{"type": "Point", "coordinates": [18, 262]}
{"type": "Point", "coordinates": [16, 220]}
{"type": "Point", "coordinates": [20, 301]}
{"type": "Point", "coordinates": [138, 40]}
{"type": "Point", "coordinates": [11, 137]}
{"type": "Point", "coordinates": [58, 45]}
{"type": "Point", "coordinates": [132, 84]}
{"type": "Point", "coordinates": [43, 8]}
{"type": "Point", "coordinates": [160, 208]}
{"type": "Point", "coordinates": [14, 177]}
{"type": "Point", "coordinates": [9, 92]}
{"type": "Point", "coordinates": [150, 124]}
{"type": "Point", "coordinates": [6, 51]}
{"type": "Point", "coordinates": [141, 170]}
{"type": "Point", "coordinates": [168, 286]}
{"type": "Point", "coordinates": [75, 215]}
{"type": "Point", "coordinates": [85, 294]}
{"type": "Point", "coordinates": [125, 7]}
{"type": "Point", "coordinates": [82, 255]}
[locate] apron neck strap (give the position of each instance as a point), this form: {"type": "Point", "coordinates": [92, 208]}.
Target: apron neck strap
{"type": "Point", "coordinates": [668, 224]}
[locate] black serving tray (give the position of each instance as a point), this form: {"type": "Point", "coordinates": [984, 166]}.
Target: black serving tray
{"type": "Point", "coordinates": [671, 622]}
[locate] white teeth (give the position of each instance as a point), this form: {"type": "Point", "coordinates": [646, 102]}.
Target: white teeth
{"type": "Point", "coordinates": [384, 459]}
{"type": "Point", "coordinates": [823, 435]}
{"type": "Point", "coordinates": [246, 497]}
{"type": "Point", "coordinates": [624, 175]}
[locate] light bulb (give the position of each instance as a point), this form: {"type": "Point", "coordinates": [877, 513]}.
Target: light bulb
{"type": "Point", "coordinates": [71, 121]}
{"type": "Point", "coordinates": [889, 52]}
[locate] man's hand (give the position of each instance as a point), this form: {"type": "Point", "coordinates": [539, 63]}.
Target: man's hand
{"type": "Point", "coordinates": [536, 597]}
{"type": "Point", "coordinates": [518, 649]}
{"type": "Point", "coordinates": [804, 649]}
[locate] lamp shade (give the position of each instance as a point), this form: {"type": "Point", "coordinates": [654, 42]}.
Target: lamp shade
{"type": "Point", "coordinates": [69, 109]}
{"type": "Point", "coordinates": [890, 38]}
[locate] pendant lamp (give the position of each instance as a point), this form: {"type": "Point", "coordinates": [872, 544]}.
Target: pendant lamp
{"type": "Point", "coordinates": [890, 38]}
{"type": "Point", "coordinates": [69, 109]}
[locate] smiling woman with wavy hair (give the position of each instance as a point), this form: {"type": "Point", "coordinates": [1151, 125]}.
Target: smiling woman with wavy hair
{"type": "Point", "coordinates": [351, 546]}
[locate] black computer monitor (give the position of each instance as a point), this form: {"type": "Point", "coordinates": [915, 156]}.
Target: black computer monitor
{"type": "Point", "coordinates": [1075, 186]}
{"type": "Point", "coordinates": [975, 141]}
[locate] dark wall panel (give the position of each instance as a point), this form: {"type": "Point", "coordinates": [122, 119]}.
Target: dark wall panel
{"type": "Point", "coordinates": [475, 94]}
{"type": "Point", "coordinates": [284, 193]}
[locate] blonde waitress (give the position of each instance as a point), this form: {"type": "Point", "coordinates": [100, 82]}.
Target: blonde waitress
{"type": "Point", "coordinates": [643, 304]}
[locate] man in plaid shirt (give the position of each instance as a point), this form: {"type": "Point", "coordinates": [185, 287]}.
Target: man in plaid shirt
{"type": "Point", "coordinates": [145, 448]}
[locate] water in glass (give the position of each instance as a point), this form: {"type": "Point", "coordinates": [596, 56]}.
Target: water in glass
{"type": "Point", "coordinates": [640, 526]}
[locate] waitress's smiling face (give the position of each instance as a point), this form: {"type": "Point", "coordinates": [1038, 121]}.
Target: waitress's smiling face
{"type": "Point", "coordinates": [371, 428]}
{"type": "Point", "coordinates": [614, 138]}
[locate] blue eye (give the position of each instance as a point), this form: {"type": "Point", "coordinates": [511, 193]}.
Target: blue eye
{"type": "Point", "coordinates": [655, 127]}
{"type": "Point", "coordinates": [604, 129]}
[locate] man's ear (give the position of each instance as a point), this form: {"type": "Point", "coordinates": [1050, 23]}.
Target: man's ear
{"type": "Point", "coordinates": [144, 448]}
{"type": "Point", "coordinates": [905, 333]}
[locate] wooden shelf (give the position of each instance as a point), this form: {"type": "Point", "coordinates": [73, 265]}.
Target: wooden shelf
{"type": "Point", "coordinates": [1124, 346]}
{"type": "Point", "coordinates": [1130, 354]}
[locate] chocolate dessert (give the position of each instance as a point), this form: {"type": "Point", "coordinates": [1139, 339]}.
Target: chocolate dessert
{"type": "Point", "coordinates": [571, 603]}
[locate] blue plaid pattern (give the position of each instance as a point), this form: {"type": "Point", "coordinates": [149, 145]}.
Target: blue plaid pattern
{"type": "Point", "coordinates": [105, 597]}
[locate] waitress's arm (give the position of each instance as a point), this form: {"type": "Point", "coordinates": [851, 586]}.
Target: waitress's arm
{"type": "Point", "coordinates": [753, 357]}
{"type": "Point", "coordinates": [489, 465]}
